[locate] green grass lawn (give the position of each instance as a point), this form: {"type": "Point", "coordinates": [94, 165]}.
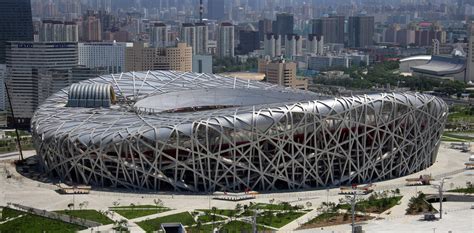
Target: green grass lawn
{"type": "Point", "coordinates": [92, 215]}
{"type": "Point", "coordinates": [451, 137]}
{"type": "Point", "coordinates": [463, 190]}
{"type": "Point", "coordinates": [239, 226]}
{"type": "Point", "coordinates": [136, 213]}
{"type": "Point", "coordinates": [225, 212]}
{"type": "Point", "coordinates": [272, 206]}
{"type": "Point", "coordinates": [137, 207]}
{"type": "Point", "coordinates": [155, 224]}
{"type": "Point", "coordinates": [209, 218]}
{"type": "Point", "coordinates": [374, 205]}
{"type": "Point", "coordinates": [279, 220]}
{"type": "Point", "coordinates": [34, 224]}
{"type": "Point", "coordinates": [10, 213]}
{"type": "Point", "coordinates": [203, 229]}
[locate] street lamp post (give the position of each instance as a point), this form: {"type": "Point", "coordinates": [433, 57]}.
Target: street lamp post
{"type": "Point", "coordinates": [440, 192]}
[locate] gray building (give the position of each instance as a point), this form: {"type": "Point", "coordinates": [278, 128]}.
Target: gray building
{"type": "Point", "coordinates": [284, 24]}
{"type": "Point", "coordinates": [361, 31]}
{"type": "Point", "coordinates": [15, 23]}
{"type": "Point", "coordinates": [215, 9]}
{"type": "Point", "coordinates": [202, 64]}
{"type": "Point", "coordinates": [26, 63]}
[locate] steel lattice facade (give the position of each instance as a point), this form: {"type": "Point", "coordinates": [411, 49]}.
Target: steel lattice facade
{"type": "Point", "coordinates": [202, 133]}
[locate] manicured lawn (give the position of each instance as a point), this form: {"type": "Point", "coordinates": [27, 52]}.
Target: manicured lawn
{"type": "Point", "coordinates": [203, 229]}
{"type": "Point", "coordinates": [209, 218]}
{"type": "Point", "coordinates": [239, 226]}
{"type": "Point", "coordinates": [33, 223]}
{"type": "Point", "coordinates": [273, 206]}
{"type": "Point", "coordinates": [136, 213]}
{"type": "Point", "coordinates": [92, 215]}
{"type": "Point", "coordinates": [463, 190]}
{"type": "Point", "coordinates": [372, 205]}
{"type": "Point", "coordinates": [136, 207]}
{"type": "Point", "coordinates": [330, 219]}
{"type": "Point", "coordinates": [279, 220]}
{"type": "Point", "coordinates": [155, 224]}
{"type": "Point", "coordinates": [10, 213]}
{"type": "Point", "coordinates": [225, 212]}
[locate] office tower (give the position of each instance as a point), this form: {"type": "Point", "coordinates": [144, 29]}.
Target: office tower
{"type": "Point", "coordinates": [248, 41]}
{"type": "Point", "coordinates": [264, 27]}
{"type": "Point", "coordinates": [361, 31]}
{"type": "Point", "coordinates": [315, 44]}
{"type": "Point", "coordinates": [202, 39]}
{"type": "Point", "coordinates": [215, 9]}
{"type": "Point", "coordinates": [225, 40]}
{"type": "Point", "coordinates": [141, 57]}
{"type": "Point", "coordinates": [470, 53]}
{"type": "Point", "coordinates": [53, 30]}
{"type": "Point", "coordinates": [109, 55]}
{"type": "Point", "coordinates": [272, 45]}
{"type": "Point", "coordinates": [424, 37]}
{"type": "Point", "coordinates": [15, 23]}
{"type": "Point", "coordinates": [188, 35]}
{"type": "Point", "coordinates": [159, 35]}
{"type": "Point", "coordinates": [3, 75]}
{"type": "Point", "coordinates": [332, 28]}
{"type": "Point", "coordinates": [25, 61]}
{"type": "Point", "coordinates": [282, 73]}
{"type": "Point", "coordinates": [293, 46]}
{"type": "Point", "coordinates": [283, 24]}
{"type": "Point", "coordinates": [91, 29]}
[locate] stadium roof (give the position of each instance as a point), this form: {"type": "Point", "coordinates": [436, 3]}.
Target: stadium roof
{"type": "Point", "coordinates": [442, 65]}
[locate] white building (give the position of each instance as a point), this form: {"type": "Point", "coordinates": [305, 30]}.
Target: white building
{"type": "Point", "coordinates": [225, 40]}
{"type": "Point", "coordinates": [293, 45]}
{"type": "Point", "coordinates": [202, 39]}
{"type": "Point", "coordinates": [272, 45]}
{"type": "Point", "coordinates": [52, 30]}
{"type": "Point", "coordinates": [202, 64]}
{"type": "Point", "coordinates": [315, 44]}
{"type": "Point", "coordinates": [188, 35]}
{"type": "Point", "coordinates": [103, 54]}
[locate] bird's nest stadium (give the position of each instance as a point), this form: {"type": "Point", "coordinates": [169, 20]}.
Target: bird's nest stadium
{"type": "Point", "coordinates": [165, 130]}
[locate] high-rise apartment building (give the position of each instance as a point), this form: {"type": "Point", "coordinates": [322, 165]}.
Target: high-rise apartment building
{"type": "Point", "coordinates": [91, 29]}
{"type": "Point", "coordinates": [141, 57]}
{"type": "Point", "coordinates": [188, 35]}
{"type": "Point", "coordinates": [315, 44]}
{"type": "Point", "coordinates": [25, 62]}
{"type": "Point", "coordinates": [283, 73]}
{"type": "Point", "coordinates": [159, 35]}
{"type": "Point", "coordinates": [225, 40]}
{"type": "Point", "coordinates": [202, 39]}
{"type": "Point", "coordinates": [293, 45]}
{"type": "Point", "coordinates": [215, 9]}
{"type": "Point", "coordinates": [53, 30]}
{"type": "Point", "coordinates": [272, 45]}
{"type": "Point", "coordinates": [284, 24]}
{"type": "Point", "coordinates": [3, 75]}
{"type": "Point", "coordinates": [361, 31]}
{"type": "Point", "coordinates": [108, 55]}
{"type": "Point", "coordinates": [15, 23]}
{"type": "Point", "coordinates": [332, 28]}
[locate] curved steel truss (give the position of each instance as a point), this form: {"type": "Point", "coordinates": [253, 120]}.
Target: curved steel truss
{"type": "Point", "coordinates": [286, 140]}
